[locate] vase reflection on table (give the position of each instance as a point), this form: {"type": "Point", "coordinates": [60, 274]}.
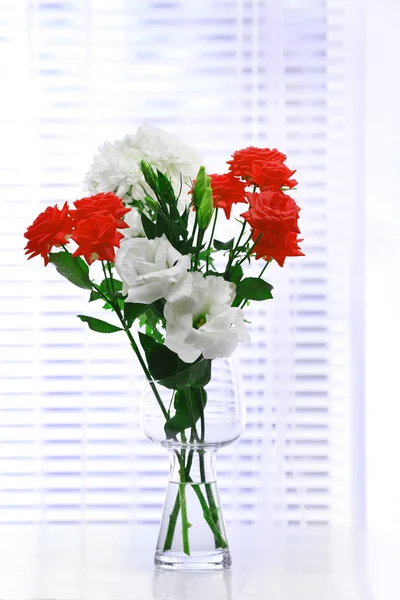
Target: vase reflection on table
{"type": "Point", "coordinates": [192, 533]}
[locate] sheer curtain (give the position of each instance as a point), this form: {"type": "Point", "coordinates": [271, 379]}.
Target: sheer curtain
{"type": "Point", "coordinates": [223, 75]}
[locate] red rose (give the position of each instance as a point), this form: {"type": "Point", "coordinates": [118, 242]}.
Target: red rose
{"type": "Point", "coordinates": [242, 160]}
{"type": "Point", "coordinates": [227, 190]}
{"type": "Point", "coordinates": [96, 237]}
{"type": "Point", "coordinates": [277, 246]}
{"type": "Point", "coordinates": [271, 176]}
{"type": "Point", "coordinates": [106, 204]}
{"type": "Point", "coordinates": [262, 167]}
{"type": "Point", "coordinates": [271, 204]}
{"type": "Point", "coordinates": [53, 227]}
{"type": "Point", "coordinates": [274, 215]}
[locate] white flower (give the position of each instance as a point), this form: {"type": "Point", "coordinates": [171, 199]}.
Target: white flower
{"type": "Point", "coordinates": [133, 219]}
{"type": "Point", "coordinates": [201, 320]}
{"type": "Point", "coordinates": [149, 268]}
{"type": "Point", "coordinates": [116, 167]}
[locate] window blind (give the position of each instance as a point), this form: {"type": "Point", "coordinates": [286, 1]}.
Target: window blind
{"type": "Point", "coordinates": [223, 75]}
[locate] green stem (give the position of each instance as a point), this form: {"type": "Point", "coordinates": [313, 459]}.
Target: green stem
{"type": "Point", "coordinates": [263, 269]}
{"type": "Point", "coordinates": [182, 499]}
{"type": "Point", "coordinates": [105, 277]}
{"type": "Point", "coordinates": [194, 230]}
{"type": "Point", "coordinates": [111, 277]}
{"type": "Point", "coordinates": [209, 491]}
{"type": "Point", "coordinates": [142, 363]}
{"type": "Point", "coordinates": [232, 253]}
{"type": "Point", "coordinates": [248, 253]}
{"type": "Point", "coordinates": [173, 517]}
{"type": "Point", "coordinates": [208, 516]}
{"type": "Point", "coordinates": [211, 238]}
{"type": "Point", "coordinates": [200, 235]}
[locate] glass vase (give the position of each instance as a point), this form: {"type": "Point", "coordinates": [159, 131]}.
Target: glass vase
{"type": "Point", "coordinates": [193, 424]}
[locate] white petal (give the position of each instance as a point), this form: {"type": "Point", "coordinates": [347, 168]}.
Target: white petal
{"type": "Point", "coordinates": [146, 294]}
{"type": "Point", "coordinates": [175, 340]}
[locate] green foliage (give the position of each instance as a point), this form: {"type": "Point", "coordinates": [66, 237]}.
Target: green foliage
{"type": "Point", "coordinates": [165, 191]}
{"type": "Point", "coordinates": [189, 404]}
{"type": "Point", "coordinates": [202, 199]}
{"type": "Point", "coordinates": [206, 255]}
{"type": "Point", "coordinates": [252, 288]}
{"type": "Point", "coordinates": [72, 268]}
{"type": "Point", "coordinates": [236, 274]}
{"type": "Point", "coordinates": [164, 218]}
{"type": "Point", "coordinates": [224, 245]}
{"type": "Point", "coordinates": [105, 289]}
{"type": "Point", "coordinates": [149, 175]}
{"type": "Point", "coordinates": [133, 311]}
{"type": "Point", "coordinates": [149, 227]}
{"type": "Point", "coordinates": [169, 370]}
{"type": "Point", "coordinates": [151, 320]}
{"type": "Point", "coordinates": [99, 325]}
{"type": "Point", "coordinates": [205, 210]}
{"type": "Point", "coordinates": [152, 204]}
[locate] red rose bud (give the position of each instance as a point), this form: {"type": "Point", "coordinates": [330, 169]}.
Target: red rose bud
{"type": "Point", "coordinates": [96, 237]}
{"type": "Point", "coordinates": [53, 227]}
{"type": "Point", "coordinates": [105, 204]}
{"type": "Point", "coordinates": [227, 190]}
{"type": "Point", "coordinates": [274, 215]}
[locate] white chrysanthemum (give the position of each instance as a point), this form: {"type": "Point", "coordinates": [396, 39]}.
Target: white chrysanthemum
{"type": "Point", "coordinates": [116, 167]}
{"type": "Point", "coordinates": [201, 320]}
{"type": "Point", "coordinates": [133, 219]}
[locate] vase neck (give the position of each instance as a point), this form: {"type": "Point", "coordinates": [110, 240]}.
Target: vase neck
{"type": "Point", "coordinates": [199, 465]}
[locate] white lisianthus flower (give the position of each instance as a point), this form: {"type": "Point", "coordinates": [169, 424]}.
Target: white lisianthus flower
{"type": "Point", "coordinates": [116, 167]}
{"type": "Point", "coordinates": [149, 269]}
{"type": "Point", "coordinates": [201, 320]}
{"type": "Point", "coordinates": [133, 219]}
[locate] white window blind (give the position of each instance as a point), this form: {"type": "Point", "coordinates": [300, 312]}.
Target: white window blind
{"type": "Point", "coordinates": [223, 75]}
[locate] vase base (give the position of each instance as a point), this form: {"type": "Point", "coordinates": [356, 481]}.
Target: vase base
{"type": "Point", "coordinates": [215, 560]}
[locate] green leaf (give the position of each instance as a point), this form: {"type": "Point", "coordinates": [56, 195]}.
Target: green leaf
{"type": "Point", "coordinates": [133, 311]}
{"type": "Point", "coordinates": [165, 189]}
{"type": "Point", "coordinates": [161, 226]}
{"type": "Point", "coordinates": [224, 245]}
{"type": "Point", "coordinates": [195, 375]}
{"type": "Point", "coordinates": [94, 296]}
{"type": "Point", "coordinates": [205, 255]}
{"type": "Point", "coordinates": [236, 274]}
{"type": "Point", "coordinates": [105, 286]}
{"type": "Point", "coordinates": [148, 343]}
{"type": "Point", "coordinates": [189, 405]}
{"type": "Point", "coordinates": [99, 325]}
{"type": "Point", "coordinates": [169, 370]}
{"type": "Point", "coordinates": [113, 284]}
{"type": "Point", "coordinates": [72, 268]}
{"type": "Point", "coordinates": [148, 226]}
{"type": "Point", "coordinates": [163, 363]}
{"type": "Point", "coordinates": [151, 320]}
{"type": "Point", "coordinates": [253, 288]}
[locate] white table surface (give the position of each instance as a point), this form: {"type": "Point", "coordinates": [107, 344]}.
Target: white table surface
{"type": "Point", "coordinates": [114, 562]}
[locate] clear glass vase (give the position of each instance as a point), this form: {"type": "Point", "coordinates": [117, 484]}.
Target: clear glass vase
{"type": "Point", "coordinates": [192, 424]}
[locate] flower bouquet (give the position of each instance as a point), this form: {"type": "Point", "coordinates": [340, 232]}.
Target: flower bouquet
{"type": "Point", "coordinates": [143, 244]}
